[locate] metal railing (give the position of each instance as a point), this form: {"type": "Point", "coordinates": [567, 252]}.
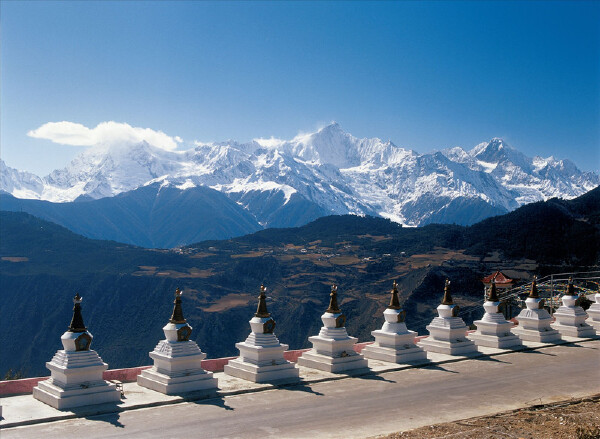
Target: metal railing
{"type": "Point", "coordinates": [552, 287]}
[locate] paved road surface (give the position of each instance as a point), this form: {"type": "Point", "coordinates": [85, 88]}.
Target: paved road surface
{"type": "Point", "coordinates": [358, 407]}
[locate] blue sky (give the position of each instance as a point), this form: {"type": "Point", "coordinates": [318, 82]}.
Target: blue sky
{"type": "Point", "coordinates": [427, 75]}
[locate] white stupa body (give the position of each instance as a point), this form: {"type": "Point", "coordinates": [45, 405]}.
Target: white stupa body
{"type": "Point", "coordinates": [448, 334]}
{"type": "Point", "coordinates": [177, 365]}
{"type": "Point", "coordinates": [493, 330]}
{"type": "Point", "coordinates": [594, 314]}
{"type": "Point", "coordinates": [534, 323]}
{"type": "Point", "coordinates": [261, 356]}
{"type": "Point", "coordinates": [571, 319]}
{"type": "Point", "coordinates": [394, 342]}
{"type": "Point", "coordinates": [333, 349]}
{"type": "Point", "coordinates": [76, 376]}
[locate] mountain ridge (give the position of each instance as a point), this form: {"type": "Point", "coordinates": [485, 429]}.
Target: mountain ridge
{"type": "Point", "coordinates": [329, 171]}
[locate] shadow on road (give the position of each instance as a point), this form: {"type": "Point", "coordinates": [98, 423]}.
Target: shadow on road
{"type": "Point", "coordinates": [438, 367]}
{"type": "Point", "coordinates": [493, 359]}
{"type": "Point", "coordinates": [301, 387]}
{"type": "Point", "coordinates": [539, 353]}
{"type": "Point", "coordinates": [374, 378]}
{"type": "Point", "coordinates": [217, 402]}
{"type": "Point", "coordinates": [110, 418]}
{"type": "Point", "coordinates": [578, 346]}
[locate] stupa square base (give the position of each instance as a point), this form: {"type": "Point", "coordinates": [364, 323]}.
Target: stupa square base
{"type": "Point", "coordinates": [495, 333]}
{"type": "Point", "coordinates": [462, 347]}
{"type": "Point", "coordinates": [535, 319]}
{"type": "Point", "coordinates": [173, 358]}
{"type": "Point", "coordinates": [542, 335]}
{"type": "Point", "coordinates": [510, 341]}
{"type": "Point", "coordinates": [593, 313]}
{"type": "Point", "coordinates": [393, 339]}
{"type": "Point", "coordinates": [97, 392]}
{"type": "Point", "coordinates": [349, 363]}
{"type": "Point", "coordinates": [330, 347]}
{"type": "Point", "coordinates": [410, 355]}
{"type": "Point", "coordinates": [582, 330]}
{"type": "Point", "coordinates": [496, 329]}
{"type": "Point", "coordinates": [177, 383]}
{"type": "Point", "coordinates": [594, 324]}
{"type": "Point", "coordinates": [448, 329]}
{"type": "Point", "coordinates": [262, 355]}
{"type": "Point", "coordinates": [281, 373]}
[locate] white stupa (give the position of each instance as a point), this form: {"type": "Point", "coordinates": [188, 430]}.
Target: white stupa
{"type": "Point", "coordinates": [76, 371]}
{"type": "Point", "coordinates": [594, 313]}
{"type": "Point", "coordinates": [394, 342]}
{"type": "Point", "coordinates": [261, 355]}
{"type": "Point", "coordinates": [493, 330]}
{"type": "Point", "coordinates": [534, 321]}
{"type": "Point", "coordinates": [570, 317]}
{"type": "Point", "coordinates": [333, 349]}
{"type": "Point", "coordinates": [448, 332]}
{"type": "Point", "coordinates": [177, 360]}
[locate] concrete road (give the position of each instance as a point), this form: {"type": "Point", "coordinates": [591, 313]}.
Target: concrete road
{"type": "Point", "coordinates": [358, 407]}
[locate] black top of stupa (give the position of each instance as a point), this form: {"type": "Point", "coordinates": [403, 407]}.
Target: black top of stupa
{"type": "Point", "coordinates": [447, 300]}
{"type": "Point", "coordinates": [261, 310]}
{"type": "Point", "coordinates": [571, 288]}
{"type": "Point", "coordinates": [493, 293]}
{"type": "Point", "coordinates": [534, 291]}
{"type": "Point", "coordinates": [77, 324]}
{"type": "Point", "coordinates": [394, 301]}
{"type": "Point", "coordinates": [333, 305]}
{"type": "Point", "coordinates": [177, 316]}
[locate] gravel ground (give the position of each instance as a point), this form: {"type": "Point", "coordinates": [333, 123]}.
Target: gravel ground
{"type": "Point", "coordinates": [573, 419]}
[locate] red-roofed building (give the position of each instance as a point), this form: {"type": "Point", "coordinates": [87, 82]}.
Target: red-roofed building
{"type": "Point", "coordinates": [502, 281]}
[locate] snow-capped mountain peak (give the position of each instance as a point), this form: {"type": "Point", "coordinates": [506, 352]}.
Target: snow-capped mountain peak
{"type": "Point", "coordinates": [329, 145]}
{"type": "Point", "coordinates": [327, 171]}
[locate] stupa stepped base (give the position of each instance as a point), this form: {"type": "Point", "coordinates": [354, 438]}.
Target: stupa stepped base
{"type": "Point", "coordinates": [594, 316]}
{"type": "Point", "coordinates": [175, 383]}
{"type": "Point", "coordinates": [534, 319]}
{"type": "Point", "coordinates": [174, 357]}
{"type": "Point", "coordinates": [582, 330]}
{"type": "Point", "coordinates": [414, 355]}
{"type": "Point", "coordinates": [395, 348]}
{"type": "Point", "coordinates": [541, 335]}
{"type": "Point", "coordinates": [76, 367]}
{"type": "Point", "coordinates": [493, 341]}
{"type": "Point", "coordinates": [570, 316]}
{"type": "Point", "coordinates": [570, 321]}
{"type": "Point", "coordinates": [262, 355]}
{"type": "Point", "coordinates": [495, 333]}
{"type": "Point", "coordinates": [463, 347]}
{"type": "Point", "coordinates": [261, 360]}
{"type": "Point", "coordinates": [279, 373]}
{"type": "Point", "coordinates": [177, 369]}
{"type": "Point", "coordinates": [76, 380]}
{"type": "Point", "coordinates": [344, 362]}
{"type": "Point", "coordinates": [594, 324]}
{"type": "Point", "coordinates": [534, 325]}
{"type": "Point", "coordinates": [450, 329]}
{"type": "Point", "coordinates": [90, 393]}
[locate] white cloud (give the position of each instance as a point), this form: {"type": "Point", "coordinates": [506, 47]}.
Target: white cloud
{"type": "Point", "coordinates": [271, 142]}
{"type": "Point", "coordinates": [75, 134]}
{"type": "Point", "coordinates": [199, 143]}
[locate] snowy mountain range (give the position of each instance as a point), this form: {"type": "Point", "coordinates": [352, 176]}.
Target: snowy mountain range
{"type": "Point", "coordinates": [290, 182]}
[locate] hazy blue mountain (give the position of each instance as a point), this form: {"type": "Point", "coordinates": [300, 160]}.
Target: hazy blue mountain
{"type": "Point", "coordinates": [150, 216]}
